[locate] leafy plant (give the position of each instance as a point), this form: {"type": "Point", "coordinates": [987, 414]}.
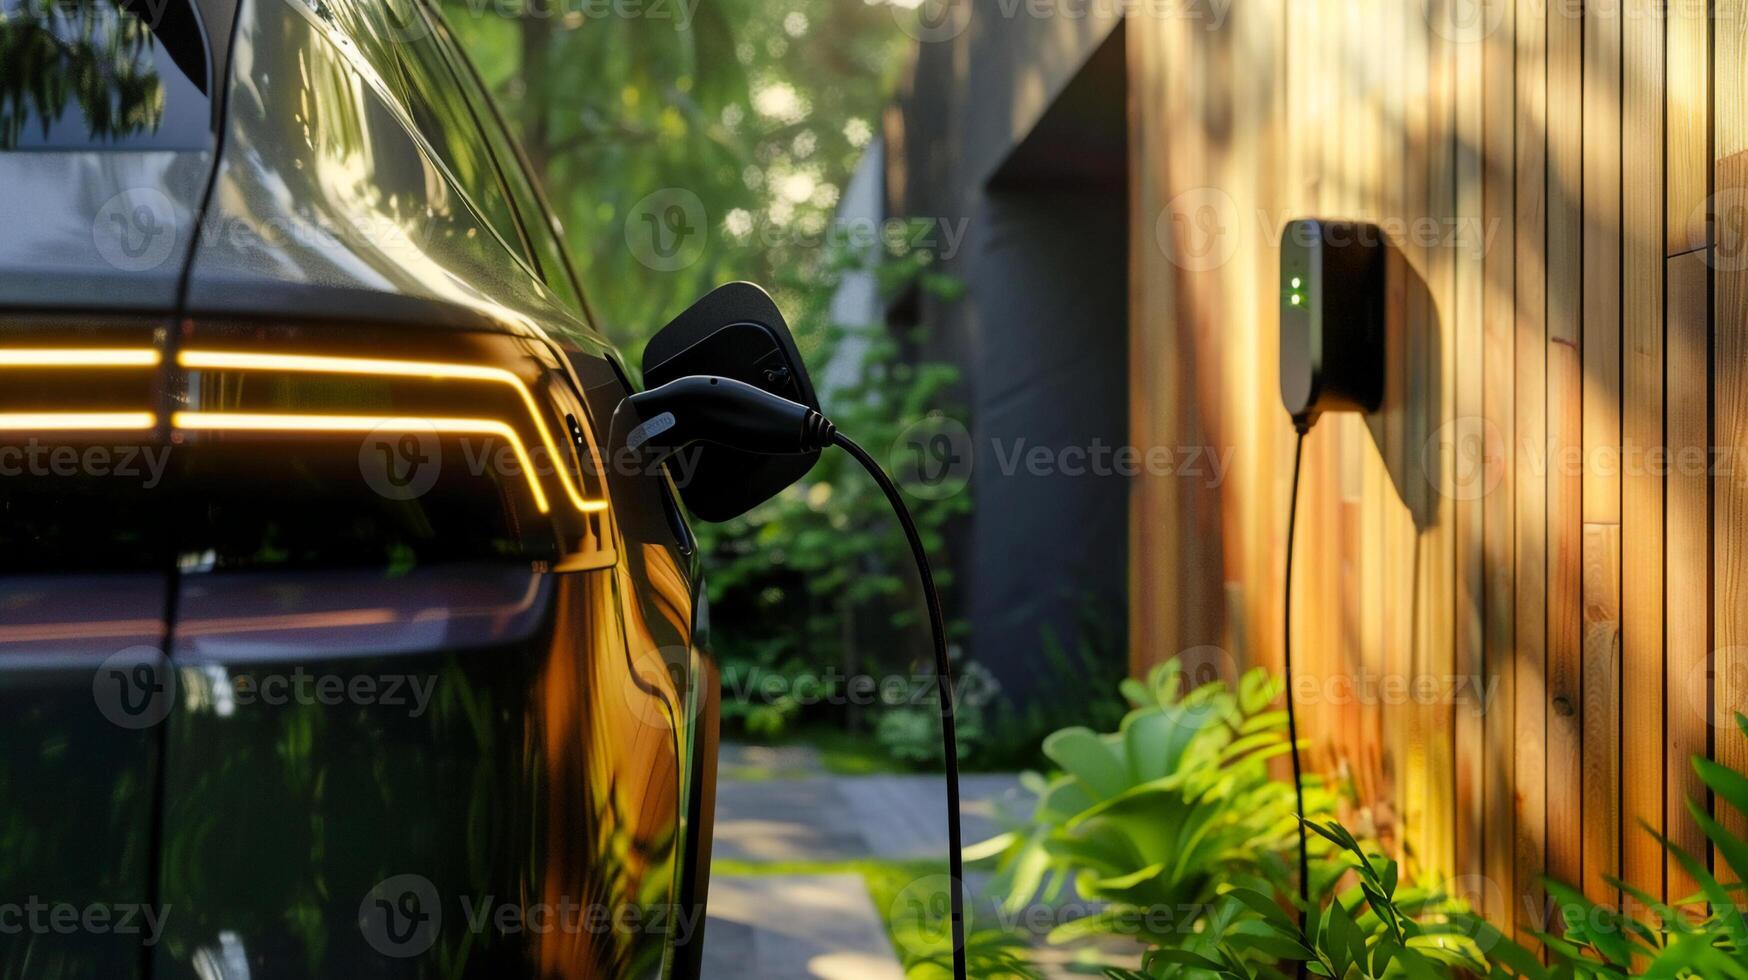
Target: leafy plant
{"type": "Point", "coordinates": [1160, 814]}
{"type": "Point", "coordinates": [1373, 929]}
{"type": "Point", "coordinates": [1705, 935]}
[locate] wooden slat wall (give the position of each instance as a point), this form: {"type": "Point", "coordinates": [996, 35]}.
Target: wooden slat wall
{"type": "Point", "coordinates": [1510, 580]}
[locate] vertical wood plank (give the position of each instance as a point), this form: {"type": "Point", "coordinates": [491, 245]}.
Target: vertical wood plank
{"type": "Point", "coordinates": [1437, 647]}
{"type": "Point", "coordinates": [1565, 443]}
{"type": "Point", "coordinates": [1688, 572]}
{"type": "Point", "coordinates": [1372, 88]}
{"type": "Point", "coordinates": [1601, 710]}
{"type": "Point", "coordinates": [1467, 499]}
{"type": "Point", "coordinates": [1398, 422]}
{"type": "Point", "coordinates": [1642, 436]}
{"type": "Point", "coordinates": [1601, 298]}
{"type": "Point", "coordinates": [1688, 104]}
{"type": "Point", "coordinates": [1497, 696]}
{"type": "Point", "coordinates": [1529, 451]}
{"type": "Point", "coordinates": [1600, 354]}
{"type": "Point", "coordinates": [1420, 413]}
{"type": "Point", "coordinates": [1730, 401]}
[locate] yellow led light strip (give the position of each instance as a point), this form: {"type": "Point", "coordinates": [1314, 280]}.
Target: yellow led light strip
{"type": "Point", "coordinates": [434, 370]}
{"type": "Point", "coordinates": [76, 357]}
{"type": "Point", "coordinates": [92, 357]}
{"type": "Point", "coordinates": [248, 422]}
{"type": "Point", "coordinates": [75, 421]}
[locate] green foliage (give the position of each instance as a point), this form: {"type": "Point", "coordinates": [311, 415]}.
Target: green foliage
{"type": "Point", "coordinates": [912, 733]}
{"type": "Point", "coordinates": [1705, 935]}
{"type": "Point", "coordinates": [759, 108]}
{"type": "Point", "coordinates": [1368, 931]}
{"type": "Point", "coordinates": [1162, 813]}
{"type": "Point", "coordinates": [63, 53]}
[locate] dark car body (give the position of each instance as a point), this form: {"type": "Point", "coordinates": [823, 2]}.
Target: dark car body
{"type": "Point", "coordinates": [330, 643]}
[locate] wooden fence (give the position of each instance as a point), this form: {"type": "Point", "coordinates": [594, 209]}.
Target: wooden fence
{"type": "Point", "coordinates": [1519, 592]}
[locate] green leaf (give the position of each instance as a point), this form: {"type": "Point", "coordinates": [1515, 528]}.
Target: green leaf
{"type": "Point", "coordinates": [1265, 907]}
{"type": "Point", "coordinates": [1088, 759]}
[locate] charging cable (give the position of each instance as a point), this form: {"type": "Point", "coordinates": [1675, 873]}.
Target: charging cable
{"type": "Point", "coordinates": [730, 413]}
{"type": "Point", "coordinates": [1300, 426]}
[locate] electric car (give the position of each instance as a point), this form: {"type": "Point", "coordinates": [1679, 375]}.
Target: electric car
{"type": "Point", "coordinates": [332, 640]}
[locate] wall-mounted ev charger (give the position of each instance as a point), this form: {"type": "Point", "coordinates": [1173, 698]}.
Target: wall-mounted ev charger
{"type": "Point", "coordinates": [1332, 318]}
{"type": "Point", "coordinates": [1332, 360]}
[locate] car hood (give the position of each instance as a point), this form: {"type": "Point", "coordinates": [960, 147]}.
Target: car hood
{"type": "Point", "coordinates": [103, 229]}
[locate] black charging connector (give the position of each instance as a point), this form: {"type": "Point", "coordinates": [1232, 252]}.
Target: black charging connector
{"type": "Point", "coordinates": [738, 416]}
{"type": "Point", "coordinates": [725, 412]}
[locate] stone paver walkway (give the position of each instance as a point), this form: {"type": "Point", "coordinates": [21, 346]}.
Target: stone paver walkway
{"type": "Point", "coordinates": [804, 926]}
{"type": "Point", "coordinates": [824, 927]}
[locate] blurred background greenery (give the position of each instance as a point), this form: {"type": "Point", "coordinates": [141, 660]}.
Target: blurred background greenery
{"type": "Point", "coordinates": [760, 108]}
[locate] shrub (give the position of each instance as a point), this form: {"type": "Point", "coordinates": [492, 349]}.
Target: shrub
{"type": "Point", "coordinates": [1160, 814]}
{"type": "Point", "coordinates": [1711, 942]}
{"type": "Point", "coordinates": [1368, 931]}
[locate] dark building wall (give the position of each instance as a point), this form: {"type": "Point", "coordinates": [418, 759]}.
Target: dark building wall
{"type": "Point", "coordinates": [1013, 135]}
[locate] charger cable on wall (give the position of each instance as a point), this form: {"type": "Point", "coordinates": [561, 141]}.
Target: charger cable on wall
{"type": "Point", "coordinates": [1301, 426]}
